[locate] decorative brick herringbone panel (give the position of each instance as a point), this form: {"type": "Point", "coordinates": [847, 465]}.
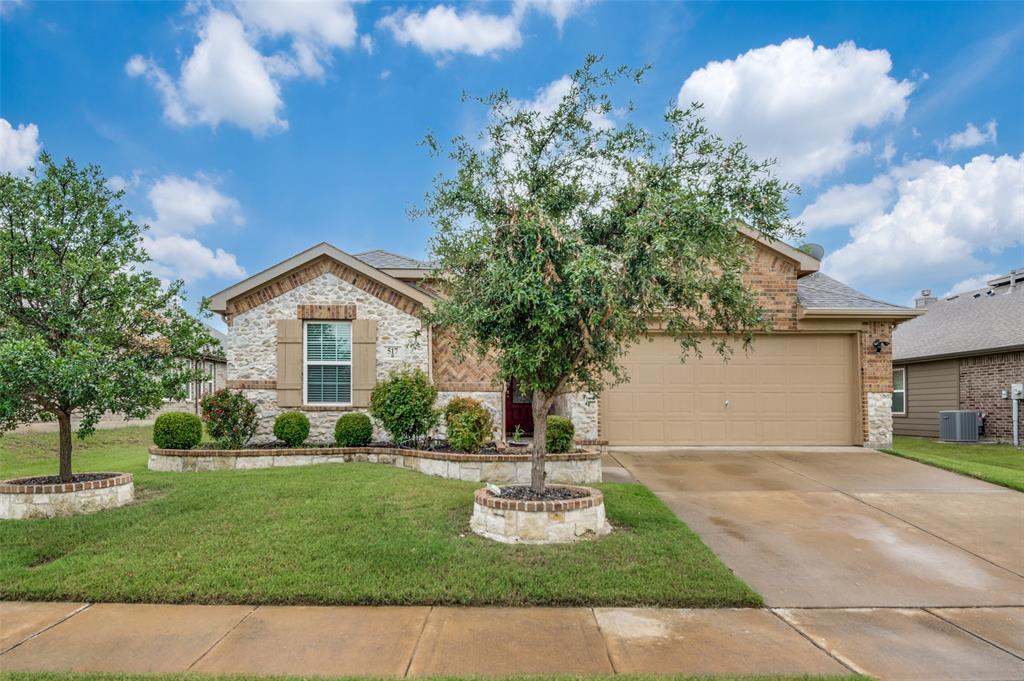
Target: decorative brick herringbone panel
{"type": "Point", "coordinates": [465, 374]}
{"type": "Point", "coordinates": [310, 272]}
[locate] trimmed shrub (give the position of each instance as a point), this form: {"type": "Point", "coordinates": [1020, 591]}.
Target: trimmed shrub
{"type": "Point", "coordinates": [560, 434]}
{"type": "Point", "coordinates": [404, 405]}
{"type": "Point", "coordinates": [230, 418]}
{"type": "Point", "coordinates": [353, 430]}
{"type": "Point", "coordinates": [177, 430]}
{"type": "Point", "coordinates": [292, 428]}
{"type": "Point", "coordinates": [469, 429]}
{"type": "Point", "coordinates": [458, 405]}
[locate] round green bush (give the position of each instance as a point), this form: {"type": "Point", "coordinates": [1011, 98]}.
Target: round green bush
{"type": "Point", "coordinates": [458, 405]}
{"type": "Point", "coordinates": [468, 430]}
{"type": "Point", "coordinates": [230, 418]}
{"type": "Point", "coordinates": [404, 405]}
{"type": "Point", "coordinates": [177, 430]}
{"type": "Point", "coordinates": [560, 434]}
{"type": "Point", "coordinates": [353, 430]}
{"type": "Point", "coordinates": [291, 427]}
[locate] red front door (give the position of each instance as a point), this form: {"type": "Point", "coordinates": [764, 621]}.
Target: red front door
{"type": "Point", "coordinates": [518, 409]}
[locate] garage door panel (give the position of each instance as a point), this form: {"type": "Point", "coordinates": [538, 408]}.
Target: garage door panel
{"type": "Point", "coordinates": [792, 389]}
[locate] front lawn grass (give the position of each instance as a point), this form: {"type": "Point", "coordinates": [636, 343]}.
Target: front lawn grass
{"type": "Point", "coordinates": [333, 534]}
{"type": "Point", "coordinates": [998, 464]}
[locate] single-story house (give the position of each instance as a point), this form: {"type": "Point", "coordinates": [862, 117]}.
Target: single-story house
{"type": "Point", "coordinates": [316, 331]}
{"type": "Point", "coordinates": [964, 353]}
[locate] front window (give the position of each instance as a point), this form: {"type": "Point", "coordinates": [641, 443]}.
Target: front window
{"type": "Point", "coordinates": [328, 363]}
{"type": "Point", "coordinates": [899, 391]}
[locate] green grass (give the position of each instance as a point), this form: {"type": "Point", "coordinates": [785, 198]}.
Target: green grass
{"type": "Point", "coordinates": [998, 464]}
{"type": "Point", "coordinates": [333, 534]}
{"type": "Point", "coordinates": [51, 676]}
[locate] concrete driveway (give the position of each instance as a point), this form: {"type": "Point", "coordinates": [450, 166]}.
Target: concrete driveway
{"type": "Point", "coordinates": [845, 527]}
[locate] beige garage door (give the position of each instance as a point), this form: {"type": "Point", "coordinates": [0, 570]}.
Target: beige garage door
{"type": "Point", "coordinates": [789, 390]}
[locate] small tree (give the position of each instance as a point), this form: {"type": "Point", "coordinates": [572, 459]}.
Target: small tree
{"type": "Point", "coordinates": [84, 327]}
{"type": "Point", "coordinates": [562, 237]}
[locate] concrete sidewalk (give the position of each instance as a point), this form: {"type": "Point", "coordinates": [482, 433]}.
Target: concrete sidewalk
{"type": "Point", "coordinates": [969, 644]}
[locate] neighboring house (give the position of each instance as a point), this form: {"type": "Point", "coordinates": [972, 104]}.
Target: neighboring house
{"type": "Point", "coordinates": [964, 353]}
{"type": "Point", "coordinates": [216, 368]}
{"type": "Point", "coordinates": [315, 332]}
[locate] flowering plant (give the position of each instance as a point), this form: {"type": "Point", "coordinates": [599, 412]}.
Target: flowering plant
{"type": "Point", "coordinates": [230, 418]}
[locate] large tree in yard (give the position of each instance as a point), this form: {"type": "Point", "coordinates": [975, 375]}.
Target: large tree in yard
{"type": "Point", "coordinates": [564, 234]}
{"type": "Point", "coordinates": [85, 328]}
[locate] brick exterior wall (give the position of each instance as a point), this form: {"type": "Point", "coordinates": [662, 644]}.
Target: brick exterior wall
{"type": "Point", "coordinates": [773, 278]}
{"type": "Point", "coordinates": [468, 373]}
{"type": "Point", "coordinates": [982, 380]}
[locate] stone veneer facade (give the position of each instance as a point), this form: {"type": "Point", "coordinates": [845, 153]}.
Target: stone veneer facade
{"type": "Point", "coordinates": [252, 347]}
{"type": "Point", "coordinates": [876, 384]}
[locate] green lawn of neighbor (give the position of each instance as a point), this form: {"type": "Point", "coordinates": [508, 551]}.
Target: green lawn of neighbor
{"type": "Point", "coordinates": [998, 464]}
{"type": "Point", "coordinates": [46, 676]}
{"type": "Point", "coordinates": [332, 534]}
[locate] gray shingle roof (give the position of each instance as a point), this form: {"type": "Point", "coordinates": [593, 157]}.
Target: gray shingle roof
{"type": "Point", "coordinates": [983, 320]}
{"type": "Point", "coordinates": [819, 291]}
{"type": "Point", "coordinates": [219, 335]}
{"type": "Point", "coordinates": [392, 261]}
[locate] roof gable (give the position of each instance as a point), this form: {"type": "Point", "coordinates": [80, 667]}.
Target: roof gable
{"type": "Point", "coordinates": [284, 275]}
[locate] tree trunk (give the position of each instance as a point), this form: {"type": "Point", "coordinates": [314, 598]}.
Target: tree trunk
{"type": "Point", "coordinates": [64, 420]}
{"type": "Point", "coordinates": [541, 405]}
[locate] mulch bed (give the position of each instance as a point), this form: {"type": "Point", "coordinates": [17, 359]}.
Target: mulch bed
{"type": "Point", "coordinates": [77, 477]}
{"type": "Point", "coordinates": [550, 494]}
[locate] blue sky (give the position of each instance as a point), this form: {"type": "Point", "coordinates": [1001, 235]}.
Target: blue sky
{"type": "Point", "coordinates": [246, 132]}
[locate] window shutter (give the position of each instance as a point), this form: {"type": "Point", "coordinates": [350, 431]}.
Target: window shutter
{"type": "Point", "coordinates": [289, 362]}
{"type": "Point", "coordinates": [364, 360]}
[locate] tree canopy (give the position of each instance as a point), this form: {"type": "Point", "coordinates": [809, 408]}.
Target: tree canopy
{"type": "Point", "coordinates": [563, 234]}
{"type": "Point", "coordinates": [85, 328]}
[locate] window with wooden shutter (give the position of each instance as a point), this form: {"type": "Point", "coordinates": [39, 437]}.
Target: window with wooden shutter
{"type": "Point", "coordinates": [289, 362]}
{"type": "Point", "coordinates": [364, 360]}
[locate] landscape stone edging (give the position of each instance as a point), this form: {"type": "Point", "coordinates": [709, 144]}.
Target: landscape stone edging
{"type": "Point", "coordinates": [19, 502]}
{"type": "Point", "coordinates": [13, 486]}
{"type": "Point", "coordinates": [594, 497]}
{"type": "Point", "coordinates": [574, 468]}
{"type": "Point", "coordinates": [517, 521]}
{"type": "Point", "coordinates": [398, 451]}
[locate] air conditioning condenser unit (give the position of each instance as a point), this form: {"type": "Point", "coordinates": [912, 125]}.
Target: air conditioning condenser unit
{"type": "Point", "coordinates": [958, 426]}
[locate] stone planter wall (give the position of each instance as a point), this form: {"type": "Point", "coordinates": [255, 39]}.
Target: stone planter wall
{"type": "Point", "coordinates": [576, 468]}
{"type": "Point", "coordinates": [19, 501]}
{"type": "Point", "coordinates": [511, 521]}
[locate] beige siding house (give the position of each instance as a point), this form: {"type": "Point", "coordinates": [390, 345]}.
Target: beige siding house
{"type": "Point", "coordinates": [318, 330]}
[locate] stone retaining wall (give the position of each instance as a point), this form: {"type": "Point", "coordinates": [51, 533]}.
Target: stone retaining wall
{"type": "Point", "coordinates": [19, 501]}
{"type": "Point", "coordinates": [576, 468]}
{"type": "Point", "coordinates": [512, 521]}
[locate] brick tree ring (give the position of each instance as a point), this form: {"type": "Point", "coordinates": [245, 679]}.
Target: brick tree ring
{"type": "Point", "coordinates": [514, 521]}
{"type": "Point", "coordinates": [24, 498]}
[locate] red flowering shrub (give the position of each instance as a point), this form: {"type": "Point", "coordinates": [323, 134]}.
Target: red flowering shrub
{"type": "Point", "coordinates": [230, 418]}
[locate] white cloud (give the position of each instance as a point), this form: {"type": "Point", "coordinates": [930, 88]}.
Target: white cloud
{"type": "Point", "coordinates": [225, 79]}
{"type": "Point", "coordinates": [442, 30]}
{"type": "Point", "coordinates": [18, 147]}
{"type": "Point", "coordinates": [366, 42]}
{"type": "Point", "coordinates": [802, 104]}
{"type": "Point", "coordinates": [176, 257]}
{"type": "Point", "coordinates": [558, 10]}
{"type": "Point", "coordinates": [849, 204]}
{"type": "Point", "coordinates": [315, 28]}
{"type": "Point", "coordinates": [970, 137]}
{"type": "Point", "coordinates": [970, 284]}
{"type": "Point", "coordinates": [182, 205]}
{"type": "Point", "coordinates": [942, 218]}
{"type": "Point", "coordinates": [228, 79]}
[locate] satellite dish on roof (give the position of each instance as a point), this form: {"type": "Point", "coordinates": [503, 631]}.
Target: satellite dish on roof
{"type": "Point", "coordinates": [816, 251]}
